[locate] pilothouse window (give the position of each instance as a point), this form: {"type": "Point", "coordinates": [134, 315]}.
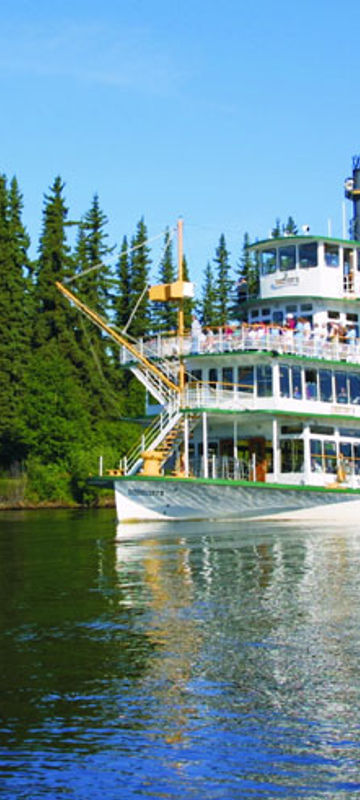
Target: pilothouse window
{"type": "Point", "coordinates": [308, 255]}
{"type": "Point", "coordinates": [268, 261]}
{"type": "Point", "coordinates": [332, 258]}
{"type": "Point", "coordinates": [287, 258]}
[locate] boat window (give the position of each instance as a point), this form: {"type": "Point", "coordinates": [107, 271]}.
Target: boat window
{"type": "Point", "coordinates": [353, 432]}
{"type": "Point", "coordinates": [358, 259]}
{"type": "Point", "coordinates": [332, 258]}
{"type": "Point", "coordinates": [325, 385]}
{"type": "Point", "coordinates": [213, 377]}
{"type": "Point", "coordinates": [333, 315]}
{"type": "Point", "coordinates": [351, 457]}
{"type": "Point", "coordinates": [330, 456]}
{"type": "Point", "coordinates": [227, 377]}
{"type": "Point", "coordinates": [308, 255]}
{"type": "Point", "coordinates": [268, 261]}
{"type": "Point", "coordinates": [311, 384]}
{"type": "Point", "coordinates": [292, 455]}
{"type": "Point", "coordinates": [341, 392]}
{"type": "Point", "coordinates": [265, 312]}
{"type": "Point", "coordinates": [291, 309]}
{"type": "Point", "coordinates": [306, 307]}
{"type": "Point", "coordinates": [357, 459]}
{"type": "Point", "coordinates": [195, 375]}
{"type": "Point", "coordinates": [246, 379]}
{"type": "Point", "coordinates": [296, 383]}
{"type": "Point", "coordinates": [284, 381]}
{"type": "Point", "coordinates": [323, 456]}
{"type": "Point", "coordinates": [292, 428]}
{"type": "Point", "coordinates": [325, 430]}
{"type": "Point", "coordinates": [278, 317]}
{"type": "Point", "coordinates": [264, 381]}
{"type": "Point", "coordinates": [254, 313]}
{"type": "Point", "coordinates": [316, 455]}
{"type": "Point", "coordinates": [354, 388]}
{"type": "Point", "coordinates": [352, 317]}
{"type": "Point", "coordinates": [287, 258]}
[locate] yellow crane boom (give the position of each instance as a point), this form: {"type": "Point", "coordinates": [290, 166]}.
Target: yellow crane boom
{"type": "Point", "coordinates": [117, 337]}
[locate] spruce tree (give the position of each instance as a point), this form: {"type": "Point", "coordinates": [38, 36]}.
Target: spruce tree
{"type": "Point", "coordinates": [276, 231]}
{"type": "Point", "coordinates": [224, 283]}
{"type": "Point", "coordinates": [93, 285]}
{"type": "Point", "coordinates": [14, 323]}
{"type": "Point", "coordinates": [122, 293]}
{"type": "Point", "coordinates": [207, 306]}
{"type": "Point", "coordinates": [140, 265]}
{"type": "Point", "coordinates": [290, 229]}
{"type": "Point", "coordinates": [54, 317]}
{"type": "Point", "coordinates": [247, 285]}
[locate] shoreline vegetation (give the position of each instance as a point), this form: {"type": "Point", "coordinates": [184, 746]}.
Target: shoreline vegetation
{"type": "Point", "coordinates": [16, 494]}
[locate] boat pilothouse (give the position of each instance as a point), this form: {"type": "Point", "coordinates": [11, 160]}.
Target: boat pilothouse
{"type": "Point", "coordinates": [261, 417]}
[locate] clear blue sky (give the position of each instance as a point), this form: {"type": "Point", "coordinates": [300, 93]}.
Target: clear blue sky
{"type": "Point", "coordinates": [228, 113]}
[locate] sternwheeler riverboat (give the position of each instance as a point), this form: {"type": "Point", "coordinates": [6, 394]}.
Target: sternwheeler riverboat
{"type": "Point", "coordinates": [260, 419]}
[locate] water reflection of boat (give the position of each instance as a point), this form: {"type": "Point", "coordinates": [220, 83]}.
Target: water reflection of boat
{"type": "Point", "coordinates": [262, 420]}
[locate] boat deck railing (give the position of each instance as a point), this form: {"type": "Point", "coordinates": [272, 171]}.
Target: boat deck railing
{"type": "Point", "coordinates": [224, 467]}
{"type": "Point", "coordinates": [243, 338]}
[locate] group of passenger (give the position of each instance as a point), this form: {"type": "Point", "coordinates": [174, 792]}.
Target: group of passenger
{"type": "Point", "coordinates": [297, 335]}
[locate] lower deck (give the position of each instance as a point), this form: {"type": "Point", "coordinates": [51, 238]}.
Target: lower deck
{"type": "Point", "coordinates": [267, 448]}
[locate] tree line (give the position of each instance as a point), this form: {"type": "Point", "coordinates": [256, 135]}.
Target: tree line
{"type": "Point", "coordinates": [64, 400]}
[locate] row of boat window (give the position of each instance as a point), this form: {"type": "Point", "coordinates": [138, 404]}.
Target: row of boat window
{"type": "Point", "coordinates": [306, 256]}
{"type": "Point", "coordinates": [295, 382]}
{"type": "Point", "coordinates": [326, 455]}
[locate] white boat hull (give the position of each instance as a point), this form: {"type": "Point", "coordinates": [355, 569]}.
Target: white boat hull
{"type": "Point", "coordinates": [149, 499]}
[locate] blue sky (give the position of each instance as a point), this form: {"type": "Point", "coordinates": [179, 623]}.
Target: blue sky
{"type": "Point", "coordinates": [228, 113]}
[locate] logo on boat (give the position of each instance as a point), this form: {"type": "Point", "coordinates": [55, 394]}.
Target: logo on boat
{"type": "Point", "coordinates": [285, 280]}
{"type": "Point", "coordinates": [145, 493]}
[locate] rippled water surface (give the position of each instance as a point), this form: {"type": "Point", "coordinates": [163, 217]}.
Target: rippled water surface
{"type": "Point", "coordinates": [210, 661]}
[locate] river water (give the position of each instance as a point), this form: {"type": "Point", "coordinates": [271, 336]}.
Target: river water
{"type": "Point", "coordinates": [207, 661]}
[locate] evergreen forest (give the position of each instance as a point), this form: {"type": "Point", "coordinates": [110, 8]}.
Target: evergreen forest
{"type": "Point", "coordinates": [64, 399]}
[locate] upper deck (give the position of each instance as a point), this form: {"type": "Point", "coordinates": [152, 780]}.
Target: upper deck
{"type": "Point", "coordinates": [318, 342]}
{"type": "Point", "coordinates": [316, 266]}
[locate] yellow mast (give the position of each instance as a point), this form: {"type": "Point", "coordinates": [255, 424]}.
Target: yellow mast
{"type": "Point", "coordinates": [181, 329]}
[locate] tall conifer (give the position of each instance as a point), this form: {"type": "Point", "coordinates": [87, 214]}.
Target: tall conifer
{"type": "Point", "coordinates": [224, 283]}
{"type": "Point", "coordinates": [14, 324]}
{"type": "Point", "coordinates": [140, 265]}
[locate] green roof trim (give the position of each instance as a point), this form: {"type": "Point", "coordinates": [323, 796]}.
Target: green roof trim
{"type": "Point", "coordinates": [280, 240]}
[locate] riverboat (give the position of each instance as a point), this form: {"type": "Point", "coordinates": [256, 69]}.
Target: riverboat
{"type": "Point", "coordinates": [260, 419]}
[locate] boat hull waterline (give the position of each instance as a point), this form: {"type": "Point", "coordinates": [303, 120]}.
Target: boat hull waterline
{"type": "Point", "coordinates": [147, 499]}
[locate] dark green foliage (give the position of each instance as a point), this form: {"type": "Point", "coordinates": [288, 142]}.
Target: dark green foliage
{"type": "Point", "coordinates": [15, 307]}
{"type": "Point", "coordinates": [189, 303]}
{"type": "Point", "coordinates": [140, 265]}
{"type": "Point", "coordinates": [121, 299]}
{"type": "Point", "coordinates": [207, 306]}
{"type": "Point", "coordinates": [53, 316]}
{"type": "Point", "coordinates": [247, 285]}
{"type": "Point", "coordinates": [289, 229]}
{"type": "Point", "coordinates": [224, 283]}
{"type": "Point", "coordinates": [276, 231]}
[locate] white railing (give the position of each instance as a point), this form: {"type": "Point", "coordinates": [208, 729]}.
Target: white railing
{"type": "Point", "coordinates": [150, 439]}
{"type": "Point", "coordinates": [225, 467]}
{"type": "Point", "coordinates": [247, 338]}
